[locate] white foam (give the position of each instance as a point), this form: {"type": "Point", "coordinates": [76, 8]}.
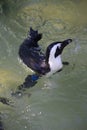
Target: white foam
{"type": "Point", "coordinates": [24, 66]}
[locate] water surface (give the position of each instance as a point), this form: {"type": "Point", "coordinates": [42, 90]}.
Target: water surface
{"type": "Point", "coordinates": [56, 103]}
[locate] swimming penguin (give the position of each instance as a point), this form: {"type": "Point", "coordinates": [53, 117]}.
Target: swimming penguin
{"type": "Point", "coordinates": [46, 63]}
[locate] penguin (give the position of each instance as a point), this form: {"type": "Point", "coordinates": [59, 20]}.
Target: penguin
{"type": "Point", "coordinates": [47, 63]}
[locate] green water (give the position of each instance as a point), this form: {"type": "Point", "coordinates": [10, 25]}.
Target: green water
{"type": "Point", "coordinates": [56, 103]}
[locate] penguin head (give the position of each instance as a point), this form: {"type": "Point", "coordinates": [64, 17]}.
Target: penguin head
{"type": "Point", "coordinates": [60, 46]}
{"type": "Point", "coordinates": [53, 56]}
{"type": "Point", "coordinates": [55, 49]}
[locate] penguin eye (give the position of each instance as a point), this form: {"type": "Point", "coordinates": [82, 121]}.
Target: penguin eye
{"type": "Point", "coordinates": [58, 52]}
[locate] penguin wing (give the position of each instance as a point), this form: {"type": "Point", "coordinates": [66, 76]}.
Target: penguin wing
{"type": "Point", "coordinates": [34, 59]}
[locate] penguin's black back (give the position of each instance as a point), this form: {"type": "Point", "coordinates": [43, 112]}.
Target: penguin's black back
{"type": "Point", "coordinates": [30, 53]}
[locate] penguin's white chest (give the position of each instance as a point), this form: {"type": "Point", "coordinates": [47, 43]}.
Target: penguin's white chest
{"type": "Point", "coordinates": [55, 63]}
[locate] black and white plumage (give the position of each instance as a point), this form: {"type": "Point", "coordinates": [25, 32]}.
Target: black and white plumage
{"type": "Point", "coordinates": [43, 64]}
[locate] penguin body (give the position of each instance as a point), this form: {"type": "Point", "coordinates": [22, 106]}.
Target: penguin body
{"type": "Point", "coordinates": [46, 63]}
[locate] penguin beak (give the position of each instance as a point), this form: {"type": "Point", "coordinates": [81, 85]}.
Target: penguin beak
{"type": "Point", "coordinates": [65, 43]}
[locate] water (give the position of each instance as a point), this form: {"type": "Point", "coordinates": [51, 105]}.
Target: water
{"type": "Point", "coordinates": [56, 103]}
